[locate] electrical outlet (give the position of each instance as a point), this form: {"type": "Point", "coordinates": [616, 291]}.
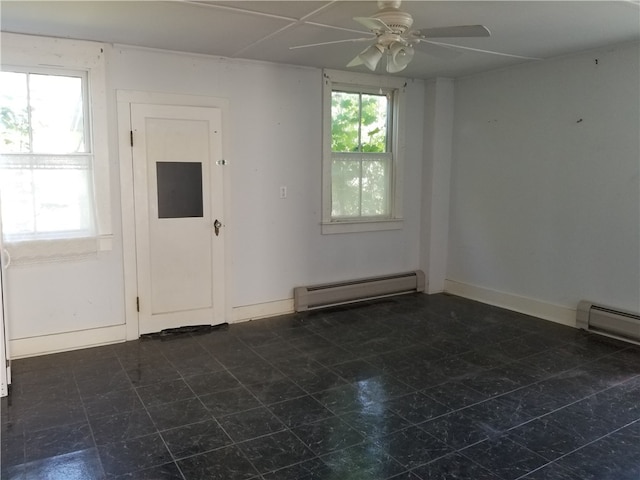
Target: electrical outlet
{"type": "Point", "coordinates": [283, 192]}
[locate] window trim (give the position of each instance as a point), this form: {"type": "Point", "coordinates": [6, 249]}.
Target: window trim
{"type": "Point", "coordinates": [34, 53]}
{"type": "Point", "coordinates": [345, 81]}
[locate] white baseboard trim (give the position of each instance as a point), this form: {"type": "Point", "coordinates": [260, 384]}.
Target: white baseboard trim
{"type": "Point", "coordinates": [261, 310]}
{"type": "Point", "coordinates": [63, 342]}
{"type": "Point", "coordinates": [528, 306]}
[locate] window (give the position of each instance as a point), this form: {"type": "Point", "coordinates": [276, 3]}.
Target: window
{"type": "Point", "coordinates": [361, 163]}
{"type": "Point", "coordinates": [47, 179]}
{"type": "Point", "coordinates": [54, 174]}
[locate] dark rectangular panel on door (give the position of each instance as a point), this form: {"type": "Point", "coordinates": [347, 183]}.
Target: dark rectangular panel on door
{"type": "Point", "coordinates": [179, 189]}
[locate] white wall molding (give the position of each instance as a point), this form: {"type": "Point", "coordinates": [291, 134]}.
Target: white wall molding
{"type": "Point", "coordinates": [516, 303]}
{"type": "Point", "coordinates": [61, 342]}
{"type": "Point", "coordinates": [261, 310]}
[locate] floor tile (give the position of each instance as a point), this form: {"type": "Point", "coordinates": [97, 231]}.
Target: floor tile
{"type": "Point", "coordinates": [300, 411]}
{"type": "Point", "coordinates": [226, 463]}
{"type": "Point", "coordinates": [81, 465]}
{"type": "Point", "coordinates": [276, 451]}
{"type": "Point", "coordinates": [276, 391]}
{"type": "Point", "coordinates": [552, 471]}
{"type": "Point", "coordinates": [195, 438]}
{"type": "Point", "coordinates": [134, 454]}
{"type": "Point", "coordinates": [616, 456]}
{"type": "Point", "coordinates": [356, 370]}
{"type": "Point", "coordinates": [328, 435]}
{"type": "Point", "coordinates": [413, 447]}
{"type": "Point", "coordinates": [164, 392]}
{"type": "Point", "coordinates": [416, 387]}
{"type": "Point", "coordinates": [117, 401]}
{"type": "Point", "coordinates": [168, 471]}
{"type": "Point", "coordinates": [57, 441]}
{"type": "Point", "coordinates": [229, 401]}
{"type": "Point", "coordinates": [457, 429]}
{"type": "Point", "coordinates": [342, 399]}
{"type": "Point", "coordinates": [152, 373]}
{"type": "Point", "coordinates": [362, 461]}
{"type": "Point", "coordinates": [177, 414]}
{"type": "Point", "coordinates": [122, 426]}
{"type": "Point", "coordinates": [251, 424]}
{"type": "Point", "coordinates": [211, 382]}
{"type": "Point", "coordinates": [453, 466]}
{"type": "Point", "coordinates": [417, 408]}
{"type": "Point", "coordinates": [499, 380]}
{"type": "Point", "coordinates": [506, 459]}
{"type": "Point", "coordinates": [375, 421]}
{"type": "Point", "coordinates": [454, 395]}
{"type": "Point", "coordinates": [197, 365]}
{"type": "Point", "coordinates": [262, 372]}
{"type": "Point", "coordinates": [314, 469]}
{"type": "Point", "coordinates": [546, 438]}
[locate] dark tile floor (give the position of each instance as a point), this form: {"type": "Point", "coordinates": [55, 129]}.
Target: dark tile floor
{"type": "Point", "coordinates": [409, 388]}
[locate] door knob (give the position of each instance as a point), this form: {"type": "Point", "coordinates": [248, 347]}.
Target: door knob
{"type": "Point", "coordinates": [216, 227]}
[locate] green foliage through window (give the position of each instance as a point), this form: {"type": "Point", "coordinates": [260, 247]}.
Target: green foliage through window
{"type": "Point", "coordinates": [358, 122]}
{"type": "Point", "coordinates": [361, 157]}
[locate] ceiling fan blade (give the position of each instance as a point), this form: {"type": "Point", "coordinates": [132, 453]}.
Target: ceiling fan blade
{"type": "Point", "coordinates": [355, 62]}
{"type": "Point", "coordinates": [458, 31]}
{"type": "Point", "coordinates": [438, 51]}
{"type": "Point", "coordinates": [373, 24]}
{"type": "Point", "coordinates": [349, 40]}
{"type": "Point", "coordinates": [491, 52]}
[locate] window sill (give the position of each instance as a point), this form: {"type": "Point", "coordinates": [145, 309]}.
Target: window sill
{"type": "Point", "coordinates": [330, 228]}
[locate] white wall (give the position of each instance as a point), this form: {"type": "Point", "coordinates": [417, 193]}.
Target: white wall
{"type": "Point", "coordinates": [276, 244]}
{"type": "Point", "coordinates": [545, 198]}
{"type": "Point", "coordinates": [275, 132]}
{"type": "Point", "coordinates": [436, 181]}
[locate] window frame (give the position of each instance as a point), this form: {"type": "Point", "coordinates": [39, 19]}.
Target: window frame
{"type": "Point", "coordinates": [40, 158]}
{"type": "Point", "coordinates": [32, 54]}
{"type": "Point", "coordinates": [364, 83]}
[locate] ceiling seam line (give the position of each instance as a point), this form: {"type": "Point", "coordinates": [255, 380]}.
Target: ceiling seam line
{"type": "Point", "coordinates": [239, 10]}
{"type": "Point", "coordinates": [300, 21]}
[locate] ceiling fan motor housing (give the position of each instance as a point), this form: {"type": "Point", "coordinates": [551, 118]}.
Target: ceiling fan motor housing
{"type": "Point", "coordinates": [395, 19]}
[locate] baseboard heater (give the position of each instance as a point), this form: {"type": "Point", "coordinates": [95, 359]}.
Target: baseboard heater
{"type": "Point", "coordinates": [608, 321]}
{"type": "Point", "coordinates": [330, 294]}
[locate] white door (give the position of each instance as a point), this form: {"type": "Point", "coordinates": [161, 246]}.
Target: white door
{"type": "Point", "coordinates": [178, 209]}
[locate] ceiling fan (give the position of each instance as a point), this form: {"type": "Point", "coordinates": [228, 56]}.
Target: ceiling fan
{"type": "Point", "coordinates": [395, 38]}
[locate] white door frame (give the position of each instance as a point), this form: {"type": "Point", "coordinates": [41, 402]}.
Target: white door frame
{"type": "Point", "coordinates": [5, 369]}
{"type": "Point", "coordinates": [124, 99]}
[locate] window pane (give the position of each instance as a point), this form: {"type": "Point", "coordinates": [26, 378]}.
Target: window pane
{"type": "Point", "coordinates": [14, 119]}
{"type": "Point", "coordinates": [57, 114]}
{"type": "Point", "coordinates": [374, 123]}
{"type": "Point", "coordinates": [46, 201]}
{"type": "Point", "coordinates": [345, 113]}
{"type": "Point", "coordinates": [17, 202]}
{"type": "Point", "coordinates": [62, 201]}
{"type": "Point", "coordinates": [375, 188]}
{"type": "Point", "coordinates": [345, 188]}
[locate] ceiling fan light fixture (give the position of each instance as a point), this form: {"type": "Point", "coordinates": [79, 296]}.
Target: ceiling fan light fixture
{"type": "Point", "coordinates": [400, 56]}
{"type": "Point", "coordinates": [371, 56]}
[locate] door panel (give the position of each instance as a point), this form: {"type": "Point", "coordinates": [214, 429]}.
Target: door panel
{"type": "Point", "coordinates": [178, 197]}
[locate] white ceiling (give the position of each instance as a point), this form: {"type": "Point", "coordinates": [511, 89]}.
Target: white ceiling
{"type": "Point", "coordinates": [264, 30]}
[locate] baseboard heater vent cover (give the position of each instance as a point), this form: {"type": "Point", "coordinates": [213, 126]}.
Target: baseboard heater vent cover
{"type": "Point", "coordinates": [608, 321]}
{"type": "Point", "coordinates": [330, 294]}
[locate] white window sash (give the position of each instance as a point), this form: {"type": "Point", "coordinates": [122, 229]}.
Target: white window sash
{"type": "Point", "coordinates": [349, 81]}
{"type": "Point", "coordinates": [32, 53]}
